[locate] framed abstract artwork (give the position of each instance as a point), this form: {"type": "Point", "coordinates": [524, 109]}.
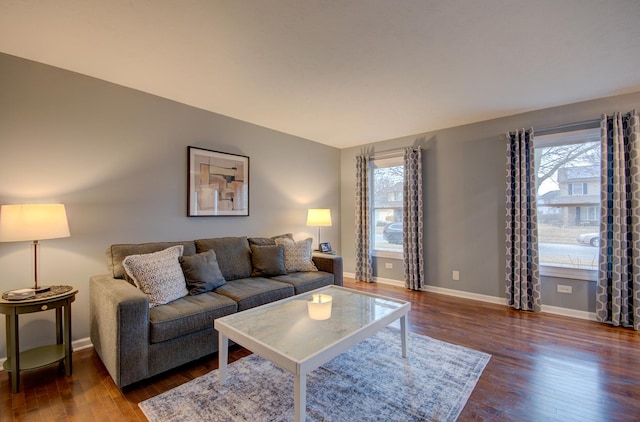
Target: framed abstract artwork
{"type": "Point", "coordinates": [218, 184]}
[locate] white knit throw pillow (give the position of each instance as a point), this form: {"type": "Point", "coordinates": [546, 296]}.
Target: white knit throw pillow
{"type": "Point", "coordinates": [158, 274]}
{"type": "Point", "coordinates": [297, 255]}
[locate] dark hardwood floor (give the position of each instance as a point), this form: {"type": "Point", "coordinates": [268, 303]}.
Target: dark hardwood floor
{"type": "Point", "coordinates": [543, 367]}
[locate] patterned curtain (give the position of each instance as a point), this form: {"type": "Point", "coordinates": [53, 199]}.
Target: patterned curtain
{"type": "Point", "coordinates": [364, 271]}
{"type": "Point", "coordinates": [522, 275]}
{"type": "Point", "coordinates": [412, 220]}
{"type": "Point", "coordinates": [618, 293]}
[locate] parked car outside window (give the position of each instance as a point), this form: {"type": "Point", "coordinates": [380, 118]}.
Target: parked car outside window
{"type": "Point", "coordinates": [392, 233]}
{"type": "Point", "coordinates": [592, 239]}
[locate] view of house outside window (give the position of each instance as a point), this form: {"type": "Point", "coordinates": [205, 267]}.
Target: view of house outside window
{"type": "Point", "coordinates": [568, 200]}
{"type": "Point", "coordinates": [387, 176]}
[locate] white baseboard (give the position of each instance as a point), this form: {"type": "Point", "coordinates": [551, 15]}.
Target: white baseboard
{"type": "Point", "coordinates": [466, 295]}
{"type": "Point", "coordinates": [80, 344]}
{"type": "Point", "coordinates": [573, 313]}
{"type": "Point", "coordinates": [556, 310]}
{"type": "Point", "coordinates": [379, 280]}
{"type": "Point", "coordinates": [83, 343]}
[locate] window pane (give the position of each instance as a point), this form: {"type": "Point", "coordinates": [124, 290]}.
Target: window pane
{"type": "Point", "coordinates": [387, 208]}
{"type": "Point", "coordinates": [568, 198]}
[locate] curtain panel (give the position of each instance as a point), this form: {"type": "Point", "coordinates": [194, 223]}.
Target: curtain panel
{"type": "Point", "coordinates": [522, 269]}
{"type": "Point", "coordinates": [618, 290]}
{"type": "Point", "coordinates": [364, 271]}
{"type": "Point", "coordinates": [412, 221]}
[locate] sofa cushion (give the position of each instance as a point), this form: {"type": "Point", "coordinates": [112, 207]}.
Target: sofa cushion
{"type": "Point", "coordinates": [267, 260]}
{"type": "Point", "coordinates": [158, 274]}
{"type": "Point", "coordinates": [256, 291]}
{"type": "Point", "coordinates": [188, 315]}
{"type": "Point", "coordinates": [264, 241]}
{"type": "Point", "coordinates": [306, 281]}
{"type": "Point", "coordinates": [297, 255]}
{"type": "Point", "coordinates": [233, 253]}
{"type": "Point", "coordinates": [118, 252]}
{"type": "Point", "coordinates": [201, 272]}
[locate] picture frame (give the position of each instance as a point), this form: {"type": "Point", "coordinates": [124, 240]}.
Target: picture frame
{"type": "Point", "coordinates": [325, 247]}
{"type": "Point", "coordinates": [218, 184]}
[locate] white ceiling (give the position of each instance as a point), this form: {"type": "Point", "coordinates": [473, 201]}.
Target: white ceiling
{"type": "Point", "coordinates": [341, 73]}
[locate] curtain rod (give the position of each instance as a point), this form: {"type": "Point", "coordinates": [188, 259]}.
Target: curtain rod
{"type": "Point", "coordinates": [587, 124]}
{"type": "Point", "coordinates": [397, 152]}
{"type": "Point", "coordinates": [388, 154]}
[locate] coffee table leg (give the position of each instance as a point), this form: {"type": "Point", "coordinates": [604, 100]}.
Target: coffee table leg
{"type": "Point", "coordinates": [223, 356]}
{"type": "Point", "coordinates": [300, 396]}
{"type": "Point", "coordinates": [404, 334]}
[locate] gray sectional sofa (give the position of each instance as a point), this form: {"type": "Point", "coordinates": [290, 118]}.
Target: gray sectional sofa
{"type": "Point", "coordinates": [136, 341]}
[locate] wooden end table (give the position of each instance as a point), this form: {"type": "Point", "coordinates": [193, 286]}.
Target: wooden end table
{"type": "Point", "coordinates": [58, 298]}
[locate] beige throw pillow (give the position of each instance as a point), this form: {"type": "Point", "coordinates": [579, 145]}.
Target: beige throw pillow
{"type": "Point", "coordinates": [297, 255]}
{"type": "Point", "coordinates": [158, 274]}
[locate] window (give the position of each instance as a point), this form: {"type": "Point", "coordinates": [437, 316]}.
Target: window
{"type": "Point", "coordinates": [387, 176]}
{"type": "Point", "coordinates": [590, 214]}
{"type": "Point", "coordinates": [568, 201]}
{"type": "Point", "coordinates": [577, 188]}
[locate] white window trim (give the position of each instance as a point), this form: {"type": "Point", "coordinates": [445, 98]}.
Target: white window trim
{"type": "Point", "coordinates": [379, 253]}
{"type": "Point", "coordinates": [571, 273]}
{"type": "Point", "coordinates": [558, 139]}
{"type": "Point", "coordinates": [380, 163]}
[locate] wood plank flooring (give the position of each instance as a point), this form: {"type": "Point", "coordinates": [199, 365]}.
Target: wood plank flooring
{"type": "Point", "coordinates": [543, 368]}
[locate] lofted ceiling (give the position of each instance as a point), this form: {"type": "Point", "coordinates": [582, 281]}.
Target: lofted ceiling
{"type": "Point", "coordinates": [342, 73]}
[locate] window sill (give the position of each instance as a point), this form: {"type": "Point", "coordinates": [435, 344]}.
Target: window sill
{"type": "Point", "coordinates": [386, 254]}
{"type": "Point", "coordinates": [571, 273]}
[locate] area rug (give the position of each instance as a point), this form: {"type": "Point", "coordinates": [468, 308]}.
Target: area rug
{"type": "Point", "coordinates": [369, 382]}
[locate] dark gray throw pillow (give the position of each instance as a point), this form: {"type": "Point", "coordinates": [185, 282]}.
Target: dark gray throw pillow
{"type": "Point", "coordinates": [201, 271]}
{"type": "Point", "coordinates": [264, 241]}
{"type": "Point", "coordinates": [268, 260]}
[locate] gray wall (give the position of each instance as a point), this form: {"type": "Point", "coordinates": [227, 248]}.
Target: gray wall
{"type": "Point", "coordinates": [117, 158]}
{"type": "Point", "coordinates": [464, 169]}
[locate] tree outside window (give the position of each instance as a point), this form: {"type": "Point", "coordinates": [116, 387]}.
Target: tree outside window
{"type": "Point", "coordinates": [387, 176]}
{"type": "Point", "coordinates": [568, 199]}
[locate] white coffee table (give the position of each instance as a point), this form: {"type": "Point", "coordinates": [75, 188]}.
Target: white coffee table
{"type": "Point", "coordinates": [283, 333]}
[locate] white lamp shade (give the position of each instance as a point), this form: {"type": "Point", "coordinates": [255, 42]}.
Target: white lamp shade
{"type": "Point", "coordinates": [33, 222]}
{"type": "Point", "coordinates": [319, 307]}
{"type": "Point", "coordinates": [319, 217]}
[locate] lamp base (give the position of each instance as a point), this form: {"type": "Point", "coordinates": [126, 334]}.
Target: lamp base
{"type": "Point", "coordinates": [41, 289]}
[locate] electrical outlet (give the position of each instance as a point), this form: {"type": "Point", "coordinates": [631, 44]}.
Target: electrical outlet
{"type": "Point", "coordinates": [456, 275]}
{"type": "Point", "coordinates": [388, 265]}
{"type": "Point", "coordinates": [564, 289]}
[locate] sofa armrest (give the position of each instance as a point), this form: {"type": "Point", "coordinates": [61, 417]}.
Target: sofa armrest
{"type": "Point", "coordinates": [331, 264]}
{"type": "Point", "coordinates": [119, 328]}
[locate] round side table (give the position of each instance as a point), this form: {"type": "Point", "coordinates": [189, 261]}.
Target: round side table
{"type": "Point", "coordinates": [58, 298]}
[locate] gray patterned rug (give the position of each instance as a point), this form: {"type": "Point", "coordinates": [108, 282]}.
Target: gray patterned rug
{"type": "Point", "coordinates": [369, 382]}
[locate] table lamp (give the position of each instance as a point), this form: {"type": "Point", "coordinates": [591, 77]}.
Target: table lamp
{"type": "Point", "coordinates": [319, 217]}
{"type": "Point", "coordinates": [33, 222]}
